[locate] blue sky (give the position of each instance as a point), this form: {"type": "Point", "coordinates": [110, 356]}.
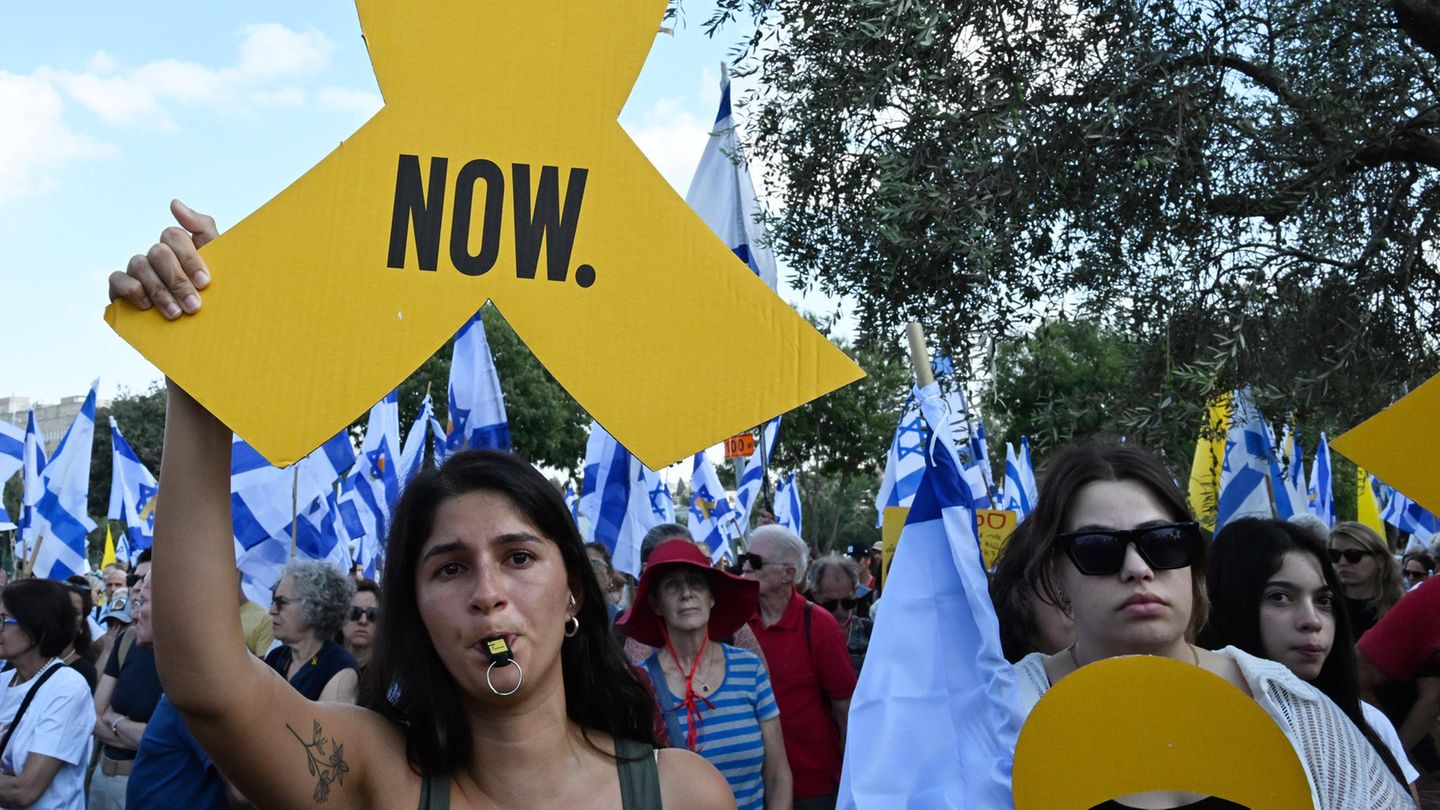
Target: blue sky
{"type": "Point", "coordinates": [112, 109]}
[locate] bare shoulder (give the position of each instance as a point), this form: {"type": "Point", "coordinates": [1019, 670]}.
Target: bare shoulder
{"type": "Point", "coordinates": [688, 780]}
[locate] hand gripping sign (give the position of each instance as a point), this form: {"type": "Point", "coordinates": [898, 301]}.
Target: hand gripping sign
{"type": "Point", "coordinates": [496, 171]}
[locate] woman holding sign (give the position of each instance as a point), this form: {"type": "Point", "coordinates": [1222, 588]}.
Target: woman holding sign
{"type": "Point", "coordinates": [1117, 549]}
{"type": "Point", "coordinates": [495, 681]}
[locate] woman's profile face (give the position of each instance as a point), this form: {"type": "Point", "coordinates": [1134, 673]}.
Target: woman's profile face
{"type": "Point", "coordinates": [1137, 609]}
{"type": "Point", "coordinates": [1360, 575]}
{"type": "Point", "coordinates": [1297, 616]}
{"type": "Point", "coordinates": [14, 640]}
{"type": "Point", "coordinates": [484, 572]}
{"type": "Point", "coordinates": [290, 625]}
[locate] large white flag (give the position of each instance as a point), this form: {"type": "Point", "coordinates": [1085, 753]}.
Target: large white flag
{"type": "Point", "coordinates": [477, 407]}
{"type": "Point", "coordinates": [61, 519]}
{"type": "Point", "coordinates": [132, 495]}
{"type": "Point", "coordinates": [12, 458]}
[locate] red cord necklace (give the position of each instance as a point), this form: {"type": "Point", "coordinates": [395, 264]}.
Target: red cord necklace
{"type": "Point", "coordinates": [691, 701]}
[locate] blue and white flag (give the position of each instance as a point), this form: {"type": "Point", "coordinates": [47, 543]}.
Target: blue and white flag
{"type": "Point", "coordinates": [713, 521]}
{"type": "Point", "coordinates": [723, 195]}
{"type": "Point", "coordinates": [981, 451]}
{"type": "Point", "coordinates": [615, 499]}
{"type": "Point", "coordinates": [318, 535]}
{"type": "Point", "coordinates": [1016, 498]}
{"type": "Point", "coordinates": [132, 496]}
{"type": "Point", "coordinates": [787, 505]}
{"type": "Point", "coordinates": [412, 452]}
{"type": "Point", "coordinates": [1246, 464]}
{"type": "Point", "coordinates": [12, 458]}
{"type": "Point", "coordinates": [572, 503]}
{"type": "Point", "coordinates": [661, 502]}
{"type": "Point", "coordinates": [1287, 477]}
{"type": "Point", "coordinates": [61, 519]}
{"type": "Point", "coordinates": [1027, 472]}
{"type": "Point", "coordinates": [1320, 493]}
{"type": "Point", "coordinates": [477, 407]}
{"type": "Point", "coordinates": [935, 676]}
{"type": "Point", "coordinates": [904, 464]}
{"type": "Point", "coordinates": [374, 484]}
{"type": "Point", "coordinates": [33, 486]}
{"type": "Point", "coordinates": [752, 476]}
{"type": "Point", "coordinates": [604, 475]}
{"type": "Point", "coordinates": [1408, 516]}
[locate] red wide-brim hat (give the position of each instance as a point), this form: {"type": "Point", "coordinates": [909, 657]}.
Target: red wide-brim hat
{"type": "Point", "coordinates": [736, 598]}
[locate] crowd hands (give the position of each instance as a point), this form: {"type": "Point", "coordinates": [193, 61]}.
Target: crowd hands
{"type": "Point", "coordinates": [502, 662]}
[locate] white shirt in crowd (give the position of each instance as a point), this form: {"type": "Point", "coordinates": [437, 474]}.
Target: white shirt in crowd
{"type": "Point", "coordinates": [60, 724]}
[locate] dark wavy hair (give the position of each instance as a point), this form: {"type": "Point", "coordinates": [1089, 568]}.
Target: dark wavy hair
{"type": "Point", "coordinates": [44, 611]}
{"type": "Point", "coordinates": [1245, 554]}
{"type": "Point", "coordinates": [409, 684]}
{"type": "Point", "coordinates": [1067, 474]}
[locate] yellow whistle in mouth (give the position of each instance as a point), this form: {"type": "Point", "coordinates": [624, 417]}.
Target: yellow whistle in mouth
{"type": "Point", "coordinates": [498, 650]}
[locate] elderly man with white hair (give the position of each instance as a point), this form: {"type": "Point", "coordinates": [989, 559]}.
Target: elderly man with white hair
{"type": "Point", "coordinates": [810, 668]}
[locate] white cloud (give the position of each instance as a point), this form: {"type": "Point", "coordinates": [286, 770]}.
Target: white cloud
{"type": "Point", "coordinates": [35, 140]}
{"type": "Point", "coordinates": [100, 63]}
{"type": "Point", "coordinates": [271, 49]}
{"type": "Point", "coordinates": [285, 97]}
{"type": "Point", "coordinates": [345, 99]}
{"type": "Point", "coordinates": [672, 139]}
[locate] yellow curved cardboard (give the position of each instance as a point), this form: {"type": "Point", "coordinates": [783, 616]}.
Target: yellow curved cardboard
{"type": "Point", "coordinates": [342, 284]}
{"type": "Point", "coordinates": [1141, 723]}
{"type": "Point", "coordinates": [1399, 445]}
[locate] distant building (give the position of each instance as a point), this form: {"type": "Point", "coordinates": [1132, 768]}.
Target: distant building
{"type": "Point", "coordinates": [53, 419]}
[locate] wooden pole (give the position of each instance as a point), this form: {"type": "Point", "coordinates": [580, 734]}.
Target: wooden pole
{"type": "Point", "coordinates": [919, 354]}
{"type": "Point", "coordinates": [34, 555]}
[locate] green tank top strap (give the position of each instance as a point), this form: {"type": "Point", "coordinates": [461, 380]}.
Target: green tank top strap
{"type": "Point", "coordinates": [435, 793]}
{"type": "Point", "coordinates": [639, 776]}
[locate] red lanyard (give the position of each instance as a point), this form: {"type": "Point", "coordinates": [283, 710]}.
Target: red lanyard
{"type": "Point", "coordinates": [691, 701]}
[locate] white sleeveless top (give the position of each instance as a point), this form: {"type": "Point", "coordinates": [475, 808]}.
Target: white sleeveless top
{"type": "Point", "coordinates": [1344, 771]}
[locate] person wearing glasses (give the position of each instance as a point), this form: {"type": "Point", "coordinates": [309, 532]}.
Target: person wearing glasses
{"type": "Point", "coordinates": [1275, 595]}
{"type": "Point", "coordinates": [311, 604]}
{"type": "Point", "coordinates": [810, 667]}
{"type": "Point", "coordinates": [1117, 548]}
{"type": "Point", "coordinates": [46, 749]}
{"type": "Point", "coordinates": [1416, 567]}
{"type": "Point", "coordinates": [715, 698]}
{"type": "Point", "coordinates": [358, 633]}
{"type": "Point", "coordinates": [835, 586]}
{"type": "Point", "coordinates": [1368, 573]}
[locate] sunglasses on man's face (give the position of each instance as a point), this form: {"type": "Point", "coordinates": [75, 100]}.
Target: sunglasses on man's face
{"type": "Point", "coordinates": [1411, 573]}
{"type": "Point", "coordinates": [1349, 555]}
{"type": "Point", "coordinates": [1101, 552]}
{"type": "Point", "coordinates": [753, 561]}
{"type": "Point", "coordinates": [370, 614]}
{"type": "Point", "coordinates": [832, 604]}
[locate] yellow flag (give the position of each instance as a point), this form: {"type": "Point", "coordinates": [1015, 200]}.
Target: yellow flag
{"type": "Point", "coordinates": [109, 555]}
{"type": "Point", "coordinates": [1205, 471]}
{"type": "Point", "coordinates": [1365, 509]}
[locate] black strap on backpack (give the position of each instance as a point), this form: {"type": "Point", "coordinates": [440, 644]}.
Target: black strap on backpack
{"type": "Point", "coordinates": [25, 704]}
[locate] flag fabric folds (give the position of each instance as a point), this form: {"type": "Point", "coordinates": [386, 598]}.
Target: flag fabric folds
{"type": "Point", "coordinates": [724, 196]}
{"type": "Point", "coordinates": [12, 458]}
{"type": "Point", "coordinates": [1204, 488]}
{"type": "Point", "coordinates": [934, 675]}
{"type": "Point", "coordinates": [616, 500]}
{"type": "Point", "coordinates": [132, 496]}
{"type": "Point", "coordinates": [61, 520]}
{"type": "Point", "coordinates": [1321, 493]}
{"type": "Point", "coordinates": [1287, 477]}
{"type": "Point", "coordinates": [34, 467]}
{"type": "Point", "coordinates": [1367, 509]}
{"type": "Point", "coordinates": [377, 469]}
{"type": "Point", "coordinates": [713, 521]}
{"type": "Point", "coordinates": [412, 451]}
{"type": "Point", "coordinates": [787, 505]}
{"type": "Point", "coordinates": [661, 502]}
{"type": "Point", "coordinates": [477, 407]}
{"type": "Point", "coordinates": [1245, 465]}
{"type": "Point", "coordinates": [1016, 496]}
{"type": "Point", "coordinates": [1408, 516]}
{"type": "Point", "coordinates": [752, 475]}
{"type": "Point", "coordinates": [904, 463]}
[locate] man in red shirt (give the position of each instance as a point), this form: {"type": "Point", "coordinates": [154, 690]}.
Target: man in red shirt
{"type": "Point", "coordinates": [810, 668]}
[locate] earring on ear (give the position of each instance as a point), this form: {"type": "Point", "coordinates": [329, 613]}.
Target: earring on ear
{"type": "Point", "coordinates": [572, 624]}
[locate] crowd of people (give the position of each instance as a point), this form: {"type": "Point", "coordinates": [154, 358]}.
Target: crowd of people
{"type": "Point", "coordinates": [501, 661]}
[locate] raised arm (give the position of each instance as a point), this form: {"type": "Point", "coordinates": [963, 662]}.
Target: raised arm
{"type": "Point", "coordinates": [279, 749]}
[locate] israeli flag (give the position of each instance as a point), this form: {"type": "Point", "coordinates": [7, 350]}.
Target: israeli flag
{"type": "Point", "coordinates": [318, 535]}
{"type": "Point", "coordinates": [362, 519]}
{"type": "Point", "coordinates": [572, 503]}
{"type": "Point", "coordinates": [12, 458]}
{"type": "Point", "coordinates": [374, 484]}
{"type": "Point", "coordinates": [1320, 493]}
{"type": "Point", "coordinates": [935, 676]}
{"type": "Point", "coordinates": [981, 454]}
{"type": "Point", "coordinates": [132, 496]}
{"type": "Point", "coordinates": [615, 499]}
{"type": "Point", "coordinates": [34, 486]}
{"type": "Point", "coordinates": [604, 475]}
{"type": "Point", "coordinates": [1408, 516]}
{"type": "Point", "coordinates": [722, 194]}
{"type": "Point", "coordinates": [752, 475]}
{"type": "Point", "coordinates": [904, 464]}
{"type": "Point", "coordinates": [661, 503]}
{"type": "Point", "coordinates": [1027, 472]}
{"type": "Point", "coordinates": [787, 505]}
{"type": "Point", "coordinates": [1246, 464]}
{"type": "Point", "coordinates": [60, 519]}
{"type": "Point", "coordinates": [263, 497]}
{"type": "Point", "coordinates": [412, 451]}
{"type": "Point", "coordinates": [713, 521]}
{"type": "Point", "coordinates": [1287, 477]}
{"type": "Point", "coordinates": [1016, 498]}
{"type": "Point", "coordinates": [477, 408]}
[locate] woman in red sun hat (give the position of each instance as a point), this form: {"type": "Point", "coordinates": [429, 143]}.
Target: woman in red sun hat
{"type": "Point", "coordinates": [715, 698]}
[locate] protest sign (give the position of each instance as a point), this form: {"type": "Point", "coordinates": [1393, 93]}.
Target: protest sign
{"type": "Point", "coordinates": [1399, 445]}
{"type": "Point", "coordinates": [994, 527]}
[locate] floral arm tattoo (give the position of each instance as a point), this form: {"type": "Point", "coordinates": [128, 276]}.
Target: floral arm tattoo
{"type": "Point", "coordinates": [326, 770]}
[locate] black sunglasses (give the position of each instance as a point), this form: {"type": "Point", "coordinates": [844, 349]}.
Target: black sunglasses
{"type": "Point", "coordinates": [1411, 574]}
{"type": "Point", "coordinates": [1350, 555]}
{"type": "Point", "coordinates": [831, 604]}
{"type": "Point", "coordinates": [369, 613]}
{"type": "Point", "coordinates": [1101, 552]}
{"type": "Point", "coordinates": [755, 561]}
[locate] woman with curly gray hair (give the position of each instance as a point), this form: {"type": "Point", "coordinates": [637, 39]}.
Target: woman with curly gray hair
{"type": "Point", "coordinates": [312, 601]}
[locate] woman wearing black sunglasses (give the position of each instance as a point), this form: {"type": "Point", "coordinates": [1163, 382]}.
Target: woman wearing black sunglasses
{"type": "Point", "coordinates": [1368, 573]}
{"type": "Point", "coordinates": [1115, 546]}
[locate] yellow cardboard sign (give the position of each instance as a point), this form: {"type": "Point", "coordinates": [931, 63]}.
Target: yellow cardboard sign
{"type": "Point", "coordinates": [1140, 723]}
{"type": "Point", "coordinates": [892, 524]}
{"type": "Point", "coordinates": [994, 527]}
{"type": "Point", "coordinates": [496, 171]}
{"type": "Point", "coordinates": [1399, 445]}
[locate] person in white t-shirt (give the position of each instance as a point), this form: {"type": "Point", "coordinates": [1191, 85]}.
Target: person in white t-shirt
{"type": "Point", "coordinates": [42, 766]}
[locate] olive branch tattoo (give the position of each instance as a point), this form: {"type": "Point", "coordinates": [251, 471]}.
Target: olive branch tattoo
{"type": "Point", "coordinates": [325, 770]}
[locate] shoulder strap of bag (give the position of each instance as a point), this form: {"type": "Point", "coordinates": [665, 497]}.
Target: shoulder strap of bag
{"type": "Point", "coordinates": [25, 704]}
{"type": "Point", "coordinates": [127, 640]}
